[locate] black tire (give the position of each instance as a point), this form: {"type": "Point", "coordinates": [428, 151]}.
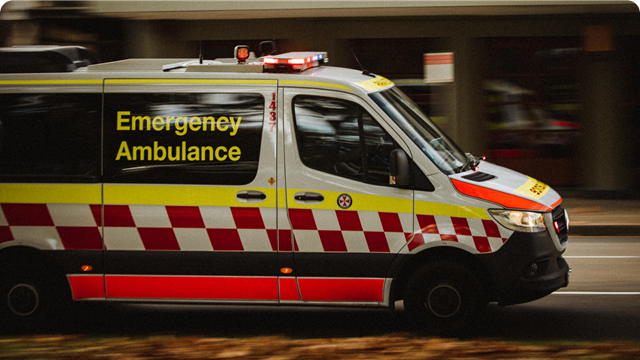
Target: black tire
{"type": "Point", "coordinates": [28, 300]}
{"type": "Point", "coordinates": [444, 298]}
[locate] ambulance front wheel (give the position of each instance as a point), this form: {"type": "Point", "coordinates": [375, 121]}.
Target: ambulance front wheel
{"type": "Point", "coordinates": [443, 298]}
{"type": "Point", "coordinates": [28, 300]}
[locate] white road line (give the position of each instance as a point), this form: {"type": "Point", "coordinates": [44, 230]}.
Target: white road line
{"type": "Point", "coordinates": [601, 257]}
{"type": "Point", "coordinates": [597, 292]}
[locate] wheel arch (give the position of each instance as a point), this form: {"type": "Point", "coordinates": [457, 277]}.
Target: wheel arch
{"type": "Point", "coordinates": [404, 269]}
{"type": "Point", "coordinates": [34, 261]}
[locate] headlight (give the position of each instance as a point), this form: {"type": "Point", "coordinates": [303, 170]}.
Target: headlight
{"type": "Point", "coordinates": [524, 221]}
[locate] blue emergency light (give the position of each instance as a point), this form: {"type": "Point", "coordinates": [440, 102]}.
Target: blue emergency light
{"type": "Point", "coordinates": [294, 61]}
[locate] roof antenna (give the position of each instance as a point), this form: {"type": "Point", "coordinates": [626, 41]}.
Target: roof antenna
{"type": "Point", "coordinates": [364, 72]}
{"type": "Point", "coordinates": [200, 36]}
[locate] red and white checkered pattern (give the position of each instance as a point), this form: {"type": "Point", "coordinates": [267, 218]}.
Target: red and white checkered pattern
{"type": "Point", "coordinates": [350, 231]}
{"type": "Point", "coordinates": [194, 228]}
{"type": "Point", "coordinates": [480, 234]}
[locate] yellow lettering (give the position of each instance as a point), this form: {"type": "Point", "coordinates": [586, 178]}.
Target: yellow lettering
{"type": "Point", "coordinates": [235, 126]}
{"type": "Point", "coordinates": [181, 125]}
{"type": "Point", "coordinates": [234, 153]}
{"type": "Point", "coordinates": [194, 153]}
{"type": "Point", "coordinates": [184, 151]}
{"type": "Point", "coordinates": [220, 120]}
{"type": "Point", "coordinates": [206, 149]}
{"type": "Point", "coordinates": [175, 157]}
{"type": "Point", "coordinates": [156, 149]}
{"type": "Point", "coordinates": [122, 121]}
{"type": "Point", "coordinates": [168, 122]}
{"type": "Point", "coordinates": [139, 120]}
{"type": "Point", "coordinates": [142, 150]}
{"type": "Point", "coordinates": [221, 157]}
{"type": "Point", "coordinates": [194, 123]}
{"type": "Point", "coordinates": [123, 151]}
{"type": "Point", "coordinates": [207, 119]}
{"type": "Point", "coordinates": [158, 123]}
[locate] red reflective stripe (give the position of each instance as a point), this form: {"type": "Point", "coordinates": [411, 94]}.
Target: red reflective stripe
{"type": "Point", "coordinates": [185, 217]}
{"type": "Point", "coordinates": [80, 237]}
{"type": "Point", "coordinates": [461, 226]}
{"type": "Point", "coordinates": [428, 224]}
{"type": "Point", "coordinates": [289, 289]}
{"type": "Point", "coordinates": [418, 239]}
{"type": "Point", "coordinates": [5, 234]}
{"type": "Point", "coordinates": [507, 200]}
{"type": "Point", "coordinates": [118, 216]}
{"type": "Point", "coordinates": [341, 289]}
{"type": "Point", "coordinates": [190, 287]}
{"type": "Point", "coordinates": [27, 214]}
{"type": "Point", "coordinates": [390, 222]}
{"type": "Point", "coordinates": [491, 229]}
{"type": "Point", "coordinates": [482, 244]}
{"type": "Point", "coordinates": [376, 241]}
{"type": "Point", "coordinates": [87, 286]}
{"type": "Point", "coordinates": [332, 241]}
{"type": "Point", "coordinates": [302, 219]}
{"type": "Point", "coordinates": [553, 206]}
{"type": "Point", "coordinates": [158, 239]}
{"type": "Point", "coordinates": [247, 218]}
{"type": "Point", "coordinates": [225, 239]}
{"type": "Point", "coordinates": [349, 220]}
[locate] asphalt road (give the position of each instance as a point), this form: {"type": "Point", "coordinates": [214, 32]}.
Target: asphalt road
{"type": "Point", "coordinates": [602, 302]}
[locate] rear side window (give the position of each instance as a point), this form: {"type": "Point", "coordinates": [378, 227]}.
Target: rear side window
{"type": "Point", "coordinates": [182, 138]}
{"type": "Point", "coordinates": [339, 137]}
{"type": "Point", "coordinates": [52, 138]}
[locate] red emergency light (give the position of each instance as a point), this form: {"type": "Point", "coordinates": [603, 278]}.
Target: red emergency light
{"type": "Point", "coordinates": [294, 61]}
{"type": "Point", "coordinates": [241, 53]}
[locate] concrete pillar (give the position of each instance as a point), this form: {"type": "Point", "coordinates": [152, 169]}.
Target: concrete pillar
{"type": "Point", "coordinates": [604, 138]}
{"type": "Point", "coordinates": [157, 39]}
{"type": "Point", "coordinates": [466, 104]}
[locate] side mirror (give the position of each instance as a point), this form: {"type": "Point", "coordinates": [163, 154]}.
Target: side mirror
{"type": "Point", "coordinates": [400, 169]}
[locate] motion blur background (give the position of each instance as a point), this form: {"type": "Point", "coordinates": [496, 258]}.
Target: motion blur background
{"type": "Point", "coordinates": [547, 88]}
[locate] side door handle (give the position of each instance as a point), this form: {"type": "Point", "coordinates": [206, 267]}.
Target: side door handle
{"type": "Point", "coordinates": [308, 198]}
{"type": "Point", "coordinates": [251, 196]}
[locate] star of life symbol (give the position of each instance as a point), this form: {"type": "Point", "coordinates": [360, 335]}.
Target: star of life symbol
{"type": "Point", "coordinates": [344, 201]}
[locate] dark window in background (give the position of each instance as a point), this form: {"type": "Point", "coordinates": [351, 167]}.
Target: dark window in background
{"type": "Point", "coordinates": [340, 138]}
{"type": "Point", "coordinates": [531, 90]}
{"type": "Point", "coordinates": [52, 138]}
{"type": "Point", "coordinates": [532, 104]}
{"type": "Point", "coordinates": [192, 151]}
{"type": "Point", "coordinates": [392, 58]}
{"type": "Point", "coordinates": [629, 47]}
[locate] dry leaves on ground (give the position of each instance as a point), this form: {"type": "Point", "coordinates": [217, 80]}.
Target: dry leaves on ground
{"type": "Point", "coordinates": [394, 346]}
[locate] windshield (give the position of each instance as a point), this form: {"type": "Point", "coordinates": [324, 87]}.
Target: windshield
{"type": "Point", "coordinates": [424, 133]}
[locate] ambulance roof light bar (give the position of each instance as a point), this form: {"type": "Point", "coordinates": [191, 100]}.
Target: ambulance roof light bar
{"type": "Point", "coordinates": [294, 61]}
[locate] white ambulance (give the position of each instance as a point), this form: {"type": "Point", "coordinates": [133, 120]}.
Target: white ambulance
{"type": "Point", "coordinates": [272, 180]}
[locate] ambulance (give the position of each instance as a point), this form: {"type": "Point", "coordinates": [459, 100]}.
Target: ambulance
{"type": "Point", "coordinates": [272, 180]}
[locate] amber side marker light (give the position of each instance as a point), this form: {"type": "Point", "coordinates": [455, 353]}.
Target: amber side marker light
{"type": "Point", "coordinates": [86, 268]}
{"type": "Point", "coordinates": [286, 270]}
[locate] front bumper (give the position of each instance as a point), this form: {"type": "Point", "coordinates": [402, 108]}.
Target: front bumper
{"type": "Point", "coordinates": [515, 277]}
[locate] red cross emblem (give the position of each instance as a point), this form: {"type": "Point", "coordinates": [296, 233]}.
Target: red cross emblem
{"type": "Point", "coordinates": [344, 201]}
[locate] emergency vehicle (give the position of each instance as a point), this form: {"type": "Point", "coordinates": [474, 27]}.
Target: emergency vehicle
{"type": "Point", "coordinates": [271, 180]}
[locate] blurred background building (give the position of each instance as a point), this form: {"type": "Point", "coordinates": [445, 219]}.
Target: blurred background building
{"type": "Point", "coordinates": [548, 88]}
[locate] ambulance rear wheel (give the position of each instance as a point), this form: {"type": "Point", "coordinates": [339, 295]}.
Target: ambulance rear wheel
{"type": "Point", "coordinates": [28, 301]}
{"type": "Point", "coordinates": [443, 298]}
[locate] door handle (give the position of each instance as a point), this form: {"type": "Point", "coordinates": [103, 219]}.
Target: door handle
{"type": "Point", "coordinates": [308, 198]}
{"type": "Point", "coordinates": [250, 196]}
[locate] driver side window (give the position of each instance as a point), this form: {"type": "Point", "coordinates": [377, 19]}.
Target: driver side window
{"type": "Point", "coordinates": [339, 137]}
